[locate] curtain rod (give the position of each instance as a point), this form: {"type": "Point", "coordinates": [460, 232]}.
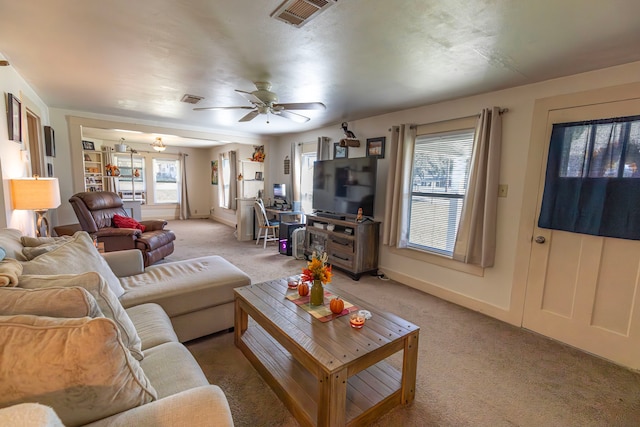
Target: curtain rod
{"type": "Point", "coordinates": [500, 111]}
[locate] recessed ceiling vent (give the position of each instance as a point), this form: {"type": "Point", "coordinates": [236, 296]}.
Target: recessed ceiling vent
{"type": "Point", "coordinates": [299, 12]}
{"type": "Point", "coordinates": [191, 99]}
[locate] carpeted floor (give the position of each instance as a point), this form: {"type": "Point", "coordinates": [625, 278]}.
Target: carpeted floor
{"type": "Point", "coordinates": [472, 370]}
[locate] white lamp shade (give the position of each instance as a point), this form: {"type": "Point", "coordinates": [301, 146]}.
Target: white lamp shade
{"type": "Point", "coordinates": [35, 193]}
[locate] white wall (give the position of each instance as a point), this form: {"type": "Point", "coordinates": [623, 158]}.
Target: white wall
{"type": "Point", "coordinates": [497, 291]}
{"type": "Point", "coordinates": [68, 163]}
{"type": "Point", "coordinates": [244, 152]}
{"type": "Point", "coordinates": [12, 164]}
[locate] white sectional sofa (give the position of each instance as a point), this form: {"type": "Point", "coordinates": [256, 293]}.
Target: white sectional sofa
{"type": "Point", "coordinates": [98, 349]}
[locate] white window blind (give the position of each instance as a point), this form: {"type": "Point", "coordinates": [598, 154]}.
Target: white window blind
{"type": "Point", "coordinates": [439, 182]}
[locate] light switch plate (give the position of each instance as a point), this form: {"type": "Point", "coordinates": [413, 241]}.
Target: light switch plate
{"type": "Point", "coordinates": [503, 189]}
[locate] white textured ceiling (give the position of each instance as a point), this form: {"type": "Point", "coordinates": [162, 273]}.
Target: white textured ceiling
{"type": "Point", "coordinates": [359, 57]}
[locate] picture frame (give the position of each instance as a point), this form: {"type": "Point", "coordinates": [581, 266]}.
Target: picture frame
{"type": "Point", "coordinates": [14, 118]}
{"type": "Point", "coordinates": [258, 176]}
{"type": "Point", "coordinates": [49, 141]}
{"type": "Point", "coordinates": [340, 152]}
{"type": "Point", "coordinates": [214, 172]}
{"type": "Point", "coordinates": [375, 147]}
{"type": "Point", "coordinates": [88, 145]}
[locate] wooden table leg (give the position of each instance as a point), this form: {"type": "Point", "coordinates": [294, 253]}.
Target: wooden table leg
{"type": "Point", "coordinates": [332, 405]}
{"type": "Point", "coordinates": [409, 368]}
{"type": "Point", "coordinates": [240, 322]}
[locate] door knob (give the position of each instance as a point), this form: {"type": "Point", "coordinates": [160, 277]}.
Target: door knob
{"type": "Point", "coordinates": [540, 239]}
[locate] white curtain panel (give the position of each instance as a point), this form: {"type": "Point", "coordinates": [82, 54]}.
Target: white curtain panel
{"type": "Point", "coordinates": [324, 148]}
{"type": "Point", "coordinates": [233, 185]}
{"type": "Point", "coordinates": [296, 161]}
{"type": "Point", "coordinates": [107, 158]}
{"type": "Point", "coordinates": [185, 212]}
{"type": "Point", "coordinates": [476, 238]}
{"type": "Point", "coordinates": [395, 231]}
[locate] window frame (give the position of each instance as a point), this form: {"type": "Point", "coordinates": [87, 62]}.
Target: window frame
{"type": "Point", "coordinates": [154, 182]}
{"type": "Point", "coordinates": [434, 257]}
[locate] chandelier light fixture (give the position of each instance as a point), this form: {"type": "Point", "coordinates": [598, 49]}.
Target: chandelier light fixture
{"type": "Point", "coordinates": [158, 145]}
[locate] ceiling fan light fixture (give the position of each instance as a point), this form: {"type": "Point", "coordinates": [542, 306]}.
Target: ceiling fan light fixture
{"type": "Point", "coordinates": [158, 145]}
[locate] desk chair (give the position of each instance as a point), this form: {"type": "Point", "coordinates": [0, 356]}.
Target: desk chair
{"type": "Point", "coordinates": [265, 225]}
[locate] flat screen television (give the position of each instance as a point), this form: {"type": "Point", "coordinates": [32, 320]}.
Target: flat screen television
{"type": "Point", "coordinates": [341, 186]}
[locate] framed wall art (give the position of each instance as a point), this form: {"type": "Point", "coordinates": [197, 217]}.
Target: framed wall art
{"type": "Point", "coordinates": [14, 118]}
{"type": "Point", "coordinates": [375, 147]}
{"type": "Point", "coordinates": [340, 152]}
{"type": "Point", "coordinates": [214, 172]}
{"type": "Point", "coordinates": [88, 145]}
{"type": "Point", "coordinates": [49, 142]}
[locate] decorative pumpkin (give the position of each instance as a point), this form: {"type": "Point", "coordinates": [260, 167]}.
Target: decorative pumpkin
{"type": "Point", "coordinates": [336, 305]}
{"type": "Point", "coordinates": [303, 289]}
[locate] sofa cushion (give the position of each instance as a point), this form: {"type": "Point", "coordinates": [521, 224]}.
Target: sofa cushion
{"type": "Point", "coordinates": [10, 242]}
{"type": "Point", "coordinates": [32, 242]}
{"type": "Point", "coordinates": [29, 415]}
{"type": "Point", "coordinates": [171, 369]}
{"type": "Point", "coordinates": [10, 271]}
{"type": "Point", "coordinates": [127, 222]}
{"type": "Point", "coordinates": [75, 256]}
{"type": "Point", "coordinates": [199, 282]}
{"type": "Point", "coordinates": [204, 406]}
{"type": "Point", "coordinates": [79, 367]}
{"type": "Point", "coordinates": [52, 302]}
{"type": "Point", "coordinates": [106, 299]}
{"type": "Point", "coordinates": [35, 246]}
{"type": "Point", "coordinates": [153, 325]}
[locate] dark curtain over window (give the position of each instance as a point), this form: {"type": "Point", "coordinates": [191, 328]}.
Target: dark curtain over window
{"type": "Point", "coordinates": [592, 184]}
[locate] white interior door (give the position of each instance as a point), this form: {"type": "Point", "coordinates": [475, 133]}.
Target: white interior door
{"type": "Point", "coordinates": [584, 290]}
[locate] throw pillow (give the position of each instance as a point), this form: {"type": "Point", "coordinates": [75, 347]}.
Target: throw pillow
{"type": "Point", "coordinates": [127, 222]}
{"type": "Point", "coordinates": [106, 299]}
{"type": "Point", "coordinates": [10, 270]}
{"type": "Point", "coordinates": [75, 256]}
{"type": "Point", "coordinates": [30, 242]}
{"type": "Point", "coordinates": [30, 252]}
{"type": "Point", "coordinates": [79, 367]}
{"type": "Point", "coordinates": [51, 302]}
{"type": "Point", "coordinates": [10, 242]}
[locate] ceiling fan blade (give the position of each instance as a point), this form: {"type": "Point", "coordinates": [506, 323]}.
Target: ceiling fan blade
{"type": "Point", "coordinates": [223, 108]}
{"type": "Point", "coordinates": [302, 106]}
{"type": "Point", "coordinates": [250, 97]}
{"type": "Point", "coordinates": [292, 116]}
{"type": "Point", "coordinates": [250, 116]}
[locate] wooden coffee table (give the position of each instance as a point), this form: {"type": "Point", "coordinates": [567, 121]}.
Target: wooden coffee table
{"type": "Point", "coordinates": [327, 374]}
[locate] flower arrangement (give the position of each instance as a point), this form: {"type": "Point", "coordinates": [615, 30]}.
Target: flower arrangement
{"type": "Point", "coordinates": [317, 269]}
{"type": "Point", "coordinates": [112, 170]}
{"type": "Point", "coordinates": [258, 155]}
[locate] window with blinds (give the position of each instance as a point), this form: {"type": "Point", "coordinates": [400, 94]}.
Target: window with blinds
{"type": "Point", "coordinates": [439, 179]}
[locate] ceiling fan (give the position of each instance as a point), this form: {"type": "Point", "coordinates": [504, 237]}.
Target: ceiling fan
{"type": "Point", "coordinates": [266, 102]}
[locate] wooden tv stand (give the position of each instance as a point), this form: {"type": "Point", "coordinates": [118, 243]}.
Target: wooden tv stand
{"type": "Point", "coordinates": [354, 252]}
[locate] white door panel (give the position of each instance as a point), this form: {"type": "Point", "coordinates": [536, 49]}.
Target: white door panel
{"type": "Point", "coordinates": [584, 290]}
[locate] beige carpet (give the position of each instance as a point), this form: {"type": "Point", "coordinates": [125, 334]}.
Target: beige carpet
{"type": "Point", "coordinates": [472, 370]}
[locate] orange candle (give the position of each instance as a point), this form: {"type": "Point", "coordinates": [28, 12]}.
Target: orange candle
{"type": "Point", "coordinates": [357, 320]}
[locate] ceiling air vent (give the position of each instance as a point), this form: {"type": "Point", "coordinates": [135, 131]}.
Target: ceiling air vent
{"type": "Point", "coordinates": [299, 12]}
{"type": "Point", "coordinates": [191, 99]}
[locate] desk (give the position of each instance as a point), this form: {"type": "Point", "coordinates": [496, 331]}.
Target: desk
{"type": "Point", "coordinates": [289, 215]}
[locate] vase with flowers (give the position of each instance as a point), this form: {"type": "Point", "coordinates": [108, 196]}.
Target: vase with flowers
{"type": "Point", "coordinates": [318, 272]}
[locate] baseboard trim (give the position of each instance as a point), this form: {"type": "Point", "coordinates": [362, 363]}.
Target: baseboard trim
{"type": "Point", "coordinates": [454, 297]}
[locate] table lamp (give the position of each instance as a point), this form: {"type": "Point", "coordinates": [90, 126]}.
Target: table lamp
{"type": "Point", "coordinates": [36, 194]}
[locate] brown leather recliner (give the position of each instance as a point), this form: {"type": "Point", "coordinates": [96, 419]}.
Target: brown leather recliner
{"type": "Point", "coordinates": [95, 211]}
